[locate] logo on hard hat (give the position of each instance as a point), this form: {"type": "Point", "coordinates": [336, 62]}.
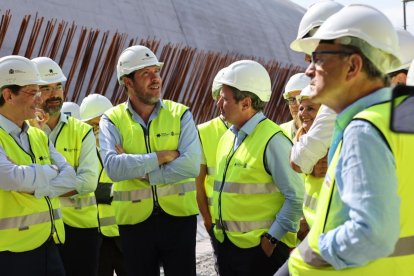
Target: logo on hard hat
{"type": "Point", "coordinates": [148, 55]}
{"type": "Point", "coordinates": [50, 70]}
{"type": "Point", "coordinates": [11, 71]}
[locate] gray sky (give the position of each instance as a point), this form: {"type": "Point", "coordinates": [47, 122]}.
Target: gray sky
{"type": "Point", "coordinates": [391, 8]}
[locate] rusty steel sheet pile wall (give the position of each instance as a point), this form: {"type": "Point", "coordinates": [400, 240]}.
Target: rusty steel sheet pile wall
{"type": "Point", "coordinates": [187, 74]}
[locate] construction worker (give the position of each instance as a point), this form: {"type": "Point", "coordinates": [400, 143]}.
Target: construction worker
{"type": "Point", "coordinates": [76, 142]}
{"type": "Point", "coordinates": [71, 109]}
{"type": "Point", "coordinates": [210, 133]}
{"type": "Point", "coordinates": [33, 174]}
{"type": "Point", "coordinates": [363, 223]}
{"type": "Point", "coordinates": [309, 152]}
{"type": "Point", "coordinates": [257, 196]}
{"type": "Point", "coordinates": [150, 149]}
{"type": "Point", "coordinates": [110, 258]}
{"type": "Point", "coordinates": [406, 42]}
{"type": "Point", "coordinates": [293, 87]}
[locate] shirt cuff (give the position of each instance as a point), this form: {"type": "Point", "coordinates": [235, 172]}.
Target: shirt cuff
{"type": "Point", "coordinates": [277, 231]}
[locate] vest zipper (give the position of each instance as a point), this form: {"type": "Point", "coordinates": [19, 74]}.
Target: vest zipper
{"type": "Point", "coordinates": [228, 158]}
{"type": "Point", "coordinates": [148, 148]}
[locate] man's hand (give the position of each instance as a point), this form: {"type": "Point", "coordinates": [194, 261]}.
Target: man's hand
{"type": "Point", "coordinates": [41, 118]}
{"type": "Point", "coordinates": [320, 168]}
{"type": "Point", "coordinates": [267, 246]}
{"type": "Point", "coordinates": [167, 156]}
{"type": "Point", "coordinates": [303, 229]}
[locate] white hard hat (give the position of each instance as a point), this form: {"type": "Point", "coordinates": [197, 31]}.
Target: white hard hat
{"type": "Point", "coordinates": [305, 93]}
{"type": "Point", "coordinates": [94, 105]}
{"type": "Point", "coordinates": [361, 26]}
{"type": "Point", "coordinates": [406, 43]}
{"type": "Point", "coordinates": [410, 74]}
{"type": "Point", "coordinates": [18, 70]}
{"type": "Point", "coordinates": [135, 58]}
{"type": "Point", "coordinates": [216, 87]}
{"type": "Point", "coordinates": [49, 70]}
{"type": "Point", "coordinates": [296, 83]}
{"type": "Point", "coordinates": [316, 14]}
{"type": "Point", "coordinates": [71, 109]}
{"type": "Point", "coordinates": [247, 75]}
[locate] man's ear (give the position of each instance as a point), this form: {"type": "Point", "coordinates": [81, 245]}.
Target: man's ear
{"type": "Point", "coordinates": [246, 103]}
{"type": "Point", "coordinates": [7, 94]}
{"type": "Point", "coordinates": [127, 82]}
{"type": "Point", "coordinates": [355, 66]}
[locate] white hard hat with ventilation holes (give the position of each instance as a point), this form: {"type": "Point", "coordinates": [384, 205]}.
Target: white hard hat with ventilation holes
{"type": "Point", "coordinates": [49, 70]}
{"type": "Point", "coordinates": [94, 105]}
{"type": "Point", "coordinates": [18, 70]}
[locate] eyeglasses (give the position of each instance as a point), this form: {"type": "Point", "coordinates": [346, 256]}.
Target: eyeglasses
{"type": "Point", "coordinates": [33, 94]}
{"type": "Point", "coordinates": [316, 56]}
{"type": "Point", "coordinates": [291, 101]}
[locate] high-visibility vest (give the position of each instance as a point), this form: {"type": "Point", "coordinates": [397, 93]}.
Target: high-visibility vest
{"type": "Point", "coordinates": [401, 261]}
{"type": "Point", "coordinates": [312, 188]}
{"type": "Point", "coordinates": [80, 211]}
{"type": "Point", "coordinates": [106, 212]}
{"type": "Point", "coordinates": [134, 199]}
{"type": "Point", "coordinates": [246, 200]}
{"type": "Point", "coordinates": [210, 133]}
{"type": "Point", "coordinates": [289, 129]}
{"type": "Point", "coordinates": [26, 222]}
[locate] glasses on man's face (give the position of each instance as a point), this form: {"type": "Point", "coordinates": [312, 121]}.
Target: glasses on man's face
{"type": "Point", "coordinates": [33, 93]}
{"type": "Point", "coordinates": [316, 57]}
{"type": "Point", "coordinates": [291, 101]}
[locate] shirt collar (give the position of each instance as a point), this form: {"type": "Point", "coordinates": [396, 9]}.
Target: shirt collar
{"type": "Point", "coordinates": [250, 125]}
{"type": "Point", "coordinates": [135, 115]}
{"type": "Point", "coordinates": [381, 95]}
{"type": "Point", "coordinates": [11, 127]}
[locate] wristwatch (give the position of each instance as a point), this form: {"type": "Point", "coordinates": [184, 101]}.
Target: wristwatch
{"type": "Point", "coordinates": [271, 239]}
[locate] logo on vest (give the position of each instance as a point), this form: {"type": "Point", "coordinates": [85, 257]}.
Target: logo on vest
{"type": "Point", "coordinates": [165, 134]}
{"type": "Point", "coordinates": [43, 158]}
{"type": "Point", "coordinates": [241, 165]}
{"type": "Point", "coordinates": [71, 150]}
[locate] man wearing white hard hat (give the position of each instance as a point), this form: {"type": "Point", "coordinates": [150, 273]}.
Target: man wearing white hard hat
{"type": "Point", "coordinates": [76, 142]}
{"type": "Point", "coordinates": [111, 258]}
{"type": "Point", "coordinates": [257, 197]}
{"type": "Point", "coordinates": [33, 174]}
{"type": "Point", "coordinates": [406, 42]}
{"type": "Point", "coordinates": [310, 150]}
{"type": "Point", "coordinates": [150, 149]}
{"type": "Point", "coordinates": [210, 133]}
{"type": "Point", "coordinates": [293, 87]}
{"type": "Point", "coordinates": [364, 223]}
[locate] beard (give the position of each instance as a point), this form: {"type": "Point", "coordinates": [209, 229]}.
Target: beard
{"type": "Point", "coordinates": [52, 109]}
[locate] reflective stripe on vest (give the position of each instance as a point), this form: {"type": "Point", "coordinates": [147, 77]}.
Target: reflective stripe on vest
{"type": "Point", "coordinates": [24, 222]}
{"type": "Point", "coordinates": [77, 202]}
{"type": "Point", "coordinates": [107, 221]}
{"type": "Point", "coordinates": [211, 171]}
{"type": "Point", "coordinates": [310, 202]}
{"type": "Point", "coordinates": [243, 226]}
{"type": "Point", "coordinates": [247, 188]}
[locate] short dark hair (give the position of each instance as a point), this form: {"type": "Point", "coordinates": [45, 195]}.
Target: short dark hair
{"type": "Point", "coordinates": [257, 103]}
{"type": "Point", "coordinates": [14, 89]}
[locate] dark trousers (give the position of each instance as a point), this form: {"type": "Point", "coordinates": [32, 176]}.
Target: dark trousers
{"type": "Point", "coordinates": [111, 258]}
{"type": "Point", "coordinates": [80, 252]}
{"type": "Point", "coordinates": [233, 260]}
{"type": "Point", "coordinates": [42, 261]}
{"type": "Point", "coordinates": [160, 239]}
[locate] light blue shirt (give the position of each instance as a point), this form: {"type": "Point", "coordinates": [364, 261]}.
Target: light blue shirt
{"type": "Point", "coordinates": [367, 187]}
{"type": "Point", "coordinates": [87, 172]}
{"type": "Point", "coordinates": [37, 179]}
{"type": "Point", "coordinates": [289, 183]}
{"type": "Point", "coordinates": [129, 166]}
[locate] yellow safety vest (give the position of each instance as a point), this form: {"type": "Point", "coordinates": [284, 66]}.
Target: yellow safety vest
{"type": "Point", "coordinates": [210, 133]}
{"type": "Point", "coordinates": [401, 262]}
{"type": "Point", "coordinates": [245, 198]}
{"type": "Point", "coordinates": [288, 129]}
{"type": "Point", "coordinates": [80, 211]}
{"type": "Point", "coordinates": [26, 222]}
{"type": "Point", "coordinates": [134, 199]}
{"type": "Point", "coordinates": [106, 212]}
{"type": "Point", "coordinates": [312, 188]}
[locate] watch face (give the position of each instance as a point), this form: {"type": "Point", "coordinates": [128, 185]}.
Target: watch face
{"type": "Point", "coordinates": [274, 240]}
